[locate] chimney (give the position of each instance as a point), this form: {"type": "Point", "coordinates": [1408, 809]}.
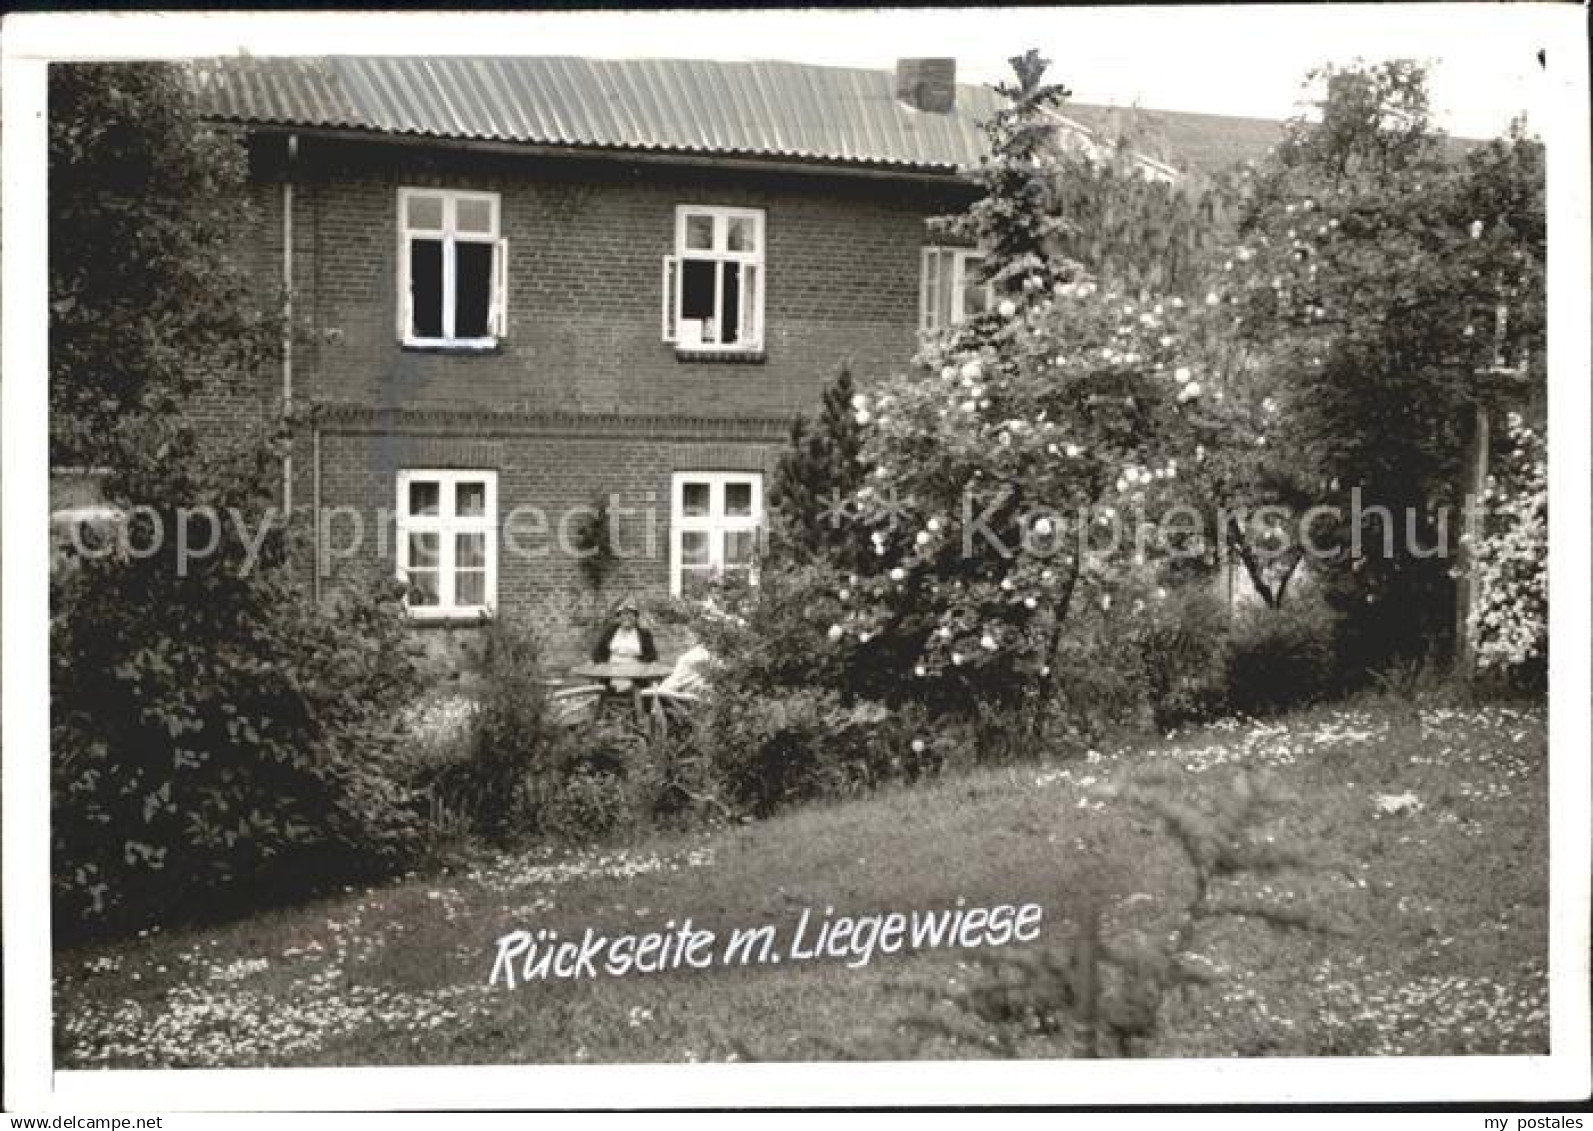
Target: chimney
{"type": "Point", "coordinates": [927, 84]}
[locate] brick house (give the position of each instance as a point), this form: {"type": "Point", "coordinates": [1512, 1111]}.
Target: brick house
{"type": "Point", "coordinates": [517, 286]}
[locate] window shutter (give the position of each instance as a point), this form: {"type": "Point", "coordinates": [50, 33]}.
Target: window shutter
{"type": "Point", "coordinates": [928, 289]}
{"type": "Point", "coordinates": [498, 321]}
{"type": "Point", "coordinates": [671, 307]}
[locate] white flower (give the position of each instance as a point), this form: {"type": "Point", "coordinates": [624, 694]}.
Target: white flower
{"type": "Point", "coordinates": [836, 632]}
{"type": "Point", "coordinates": [1042, 526]}
{"type": "Point", "coordinates": [949, 373]}
{"type": "Point", "coordinates": [1189, 392]}
{"type": "Point", "coordinates": [918, 743]}
{"type": "Point", "coordinates": [971, 371]}
{"type": "Point", "coordinates": [1030, 602]}
{"type": "Point", "coordinates": [1074, 451]}
{"type": "Point", "coordinates": [860, 402]}
{"type": "Point", "coordinates": [970, 406]}
{"type": "Point", "coordinates": [956, 658]}
{"type": "Point", "coordinates": [920, 671]}
{"type": "Point", "coordinates": [1008, 308]}
{"type": "Point", "coordinates": [1106, 601]}
{"type": "Point", "coordinates": [1181, 374]}
{"type": "Point", "coordinates": [1006, 439]}
{"type": "Point", "coordinates": [845, 594]}
{"type": "Point", "coordinates": [934, 525]}
{"type": "Point", "coordinates": [988, 643]}
{"type": "Point", "coordinates": [1476, 229]}
{"type": "Point", "coordinates": [921, 539]}
{"type": "Point", "coordinates": [1212, 299]}
{"type": "Point", "coordinates": [861, 417]}
{"type": "Point", "coordinates": [1397, 802]}
{"type": "Point", "coordinates": [898, 573]}
{"type": "Point", "coordinates": [1006, 584]}
{"type": "Point", "coordinates": [864, 637]}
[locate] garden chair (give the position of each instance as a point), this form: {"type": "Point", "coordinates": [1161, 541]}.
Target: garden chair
{"type": "Point", "coordinates": [574, 705]}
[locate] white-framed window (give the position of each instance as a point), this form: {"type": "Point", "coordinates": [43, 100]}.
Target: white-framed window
{"type": "Point", "coordinates": [448, 541]}
{"type": "Point", "coordinates": [713, 284]}
{"type": "Point", "coordinates": [714, 521]}
{"type": "Point", "coordinates": [453, 269]}
{"type": "Point", "coordinates": [949, 289]}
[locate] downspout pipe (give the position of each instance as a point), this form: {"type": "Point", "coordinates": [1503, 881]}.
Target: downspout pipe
{"type": "Point", "coordinates": [287, 320]}
{"type": "Point", "coordinates": [315, 501]}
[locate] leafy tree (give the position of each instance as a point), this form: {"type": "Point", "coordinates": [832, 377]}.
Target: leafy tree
{"type": "Point", "coordinates": [218, 739]}
{"type": "Point", "coordinates": [146, 303]}
{"type": "Point", "coordinates": [1369, 270]}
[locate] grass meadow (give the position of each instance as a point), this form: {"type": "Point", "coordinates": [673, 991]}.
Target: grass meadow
{"type": "Point", "coordinates": [1424, 832]}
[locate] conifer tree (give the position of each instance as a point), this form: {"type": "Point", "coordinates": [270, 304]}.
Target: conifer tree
{"type": "Point", "coordinates": [815, 477]}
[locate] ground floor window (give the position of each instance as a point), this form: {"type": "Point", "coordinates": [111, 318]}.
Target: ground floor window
{"type": "Point", "coordinates": [448, 541]}
{"type": "Point", "coordinates": [714, 522]}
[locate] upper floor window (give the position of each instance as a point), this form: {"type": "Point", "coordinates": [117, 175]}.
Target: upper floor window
{"type": "Point", "coordinates": [714, 523]}
{"type": "Point", "coordinates": [949, 287]}
{"type": "Point", "coordinates": [448, 541]}
{"type": "Point", "coordinates": [453, 269]}
{"type": "Point", "coordinates": [713, 284]}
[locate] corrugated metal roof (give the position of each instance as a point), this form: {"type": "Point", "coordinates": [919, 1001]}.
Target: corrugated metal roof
{"type": "Point", "coordinates": [793, 111]}
{"type": "Point", "coordinates": [768, 109]}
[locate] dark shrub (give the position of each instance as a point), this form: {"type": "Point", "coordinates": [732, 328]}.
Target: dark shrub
{"type": "Point", "coordinates": [1181, 643]}
{"type": "Point", "coordinates": [511, 735]}
{"type": "Point", "coordinates": [218, 740]}
{"type": "Point", "coordinates": [1280, 658]}
{"type": "Point", "coordinates": [772, 637]}
{"type": "Point", "coordinates": [768, 751]}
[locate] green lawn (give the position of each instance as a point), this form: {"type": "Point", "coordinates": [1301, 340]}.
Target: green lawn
{"type": "Point", "coordinates": [1441, 908]}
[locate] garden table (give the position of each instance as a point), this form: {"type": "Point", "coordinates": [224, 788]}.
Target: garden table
{"type": "Point", "coordinates": [639, 675]}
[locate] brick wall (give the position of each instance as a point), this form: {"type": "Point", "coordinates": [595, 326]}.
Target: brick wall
{"type": "Point", "coordinates": [582, 398]}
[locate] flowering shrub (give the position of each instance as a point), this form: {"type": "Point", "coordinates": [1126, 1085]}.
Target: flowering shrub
{"type": "Point", "coordinates": [1509, 621]}
{"type": "Point", "coordinates": [1005, 461]}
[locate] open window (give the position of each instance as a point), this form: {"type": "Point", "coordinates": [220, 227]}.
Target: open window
{"type": "Point", "coordinates": [713, 284]}
{"type": "Point", "coordinates": [448, 542]}
{"type": "Point", "coordinates": [949, 287]}
{"type": "Point", "coordinates": [453, 269]}
{"type": "Point", "coordinates": [714, 523]}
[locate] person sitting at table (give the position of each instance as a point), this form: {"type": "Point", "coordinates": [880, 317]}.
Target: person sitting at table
{"type": "Point", "coordinates": [682, 687]}
{"type": "Point", "coordinates": [625, 641]}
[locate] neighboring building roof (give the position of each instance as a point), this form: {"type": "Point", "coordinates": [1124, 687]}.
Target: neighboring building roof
{"type": "Point", "coordinates": [1205, 142]}
{"type": "Point", "coordinates": [790, 111]}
